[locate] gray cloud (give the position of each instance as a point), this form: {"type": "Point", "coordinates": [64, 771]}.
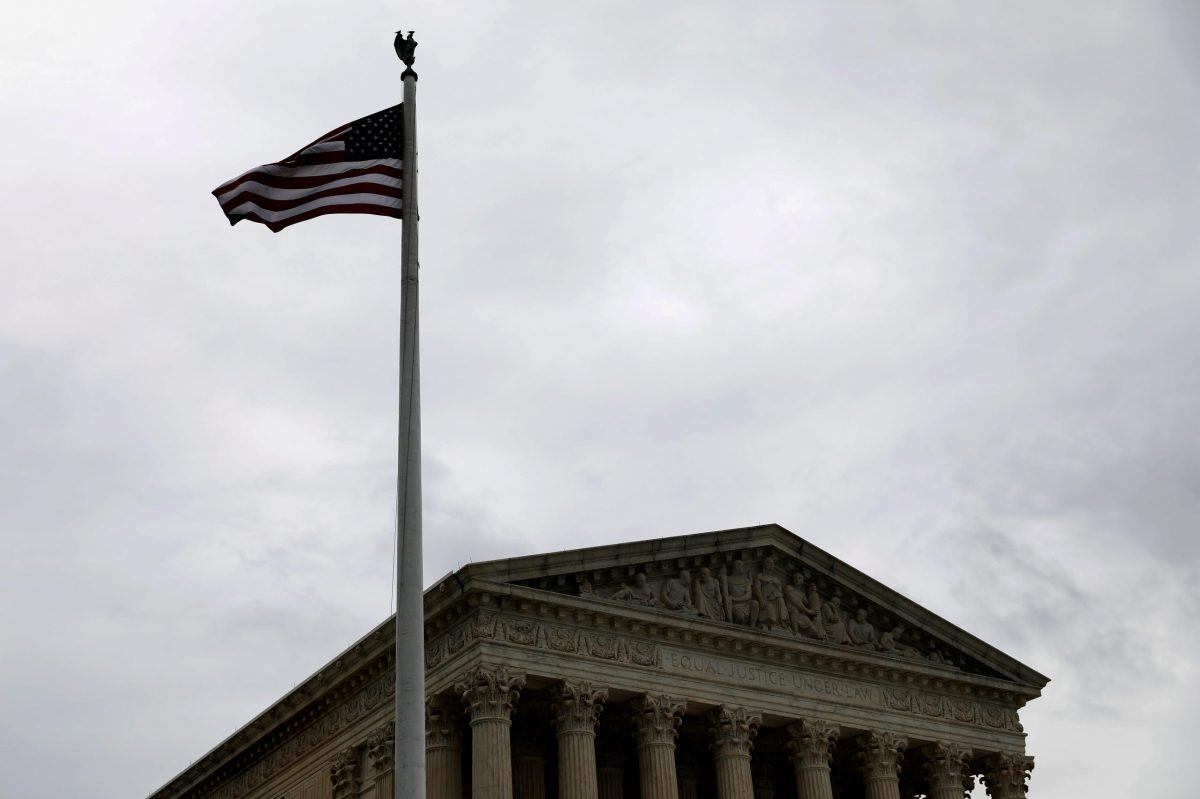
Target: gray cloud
{"type": "Point", "coordinates": [917, 283]}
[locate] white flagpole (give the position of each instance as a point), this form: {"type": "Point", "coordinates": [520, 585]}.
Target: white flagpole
{"type": "Point", "coordinates": [410, 608]}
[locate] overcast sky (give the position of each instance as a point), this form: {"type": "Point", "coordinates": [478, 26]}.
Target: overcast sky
{"type": "Point", "coordinates": [918, 281]}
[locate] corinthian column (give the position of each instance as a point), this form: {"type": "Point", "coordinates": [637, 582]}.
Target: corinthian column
{"type": "Point", "coordinates": [577, 707]}
{"type": "Point", "coordinates": [811, 742]}
{"type": "Point", "coordinates": [443, 749]}
{"type": "Point", "coordinates": [1005, 774]}
{"type": "Point", "coordinates": [949, 768]}
{"type": "Point", "coordinates": [490, 693]}
{"type": "Point", "coordinates": [343, 774]}
{"type": "Point", "coordinates": [657, 718]}
{"type": "Point", "coordinates": [381, 749]}
{"type": "Point", "coordinates": [880, 754]}
{"type": "Point", "coordinates": [732, 729]}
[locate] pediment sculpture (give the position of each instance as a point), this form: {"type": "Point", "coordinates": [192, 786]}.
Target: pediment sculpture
{"type": "Point", "coordinates": [772, 596]}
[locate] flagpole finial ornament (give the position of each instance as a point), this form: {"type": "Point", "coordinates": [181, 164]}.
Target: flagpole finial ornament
{"type": "Point", "coordinates": [406, 49]}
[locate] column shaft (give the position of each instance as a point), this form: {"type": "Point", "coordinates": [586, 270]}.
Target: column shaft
{"type": "Point", "coordinates": [733, 729]}
{"type": "Point", "coordinates": [443, 749]}
{"type": "Point", "coordinates": [610, 782]}
{"type": "Point", "coordinates": [577, 708]}
{"type": "Point", "coordinates": [948, 766]}
{"type": "Point", "coordinates": [490, 693]}
{"type": "Point", "coordinates": [381, 749]}
{"type": "Point", "coordinates": [577, 766]}
{"type": "Point", "coordinates": [811, 742]}
{"type": "Point", "coordinates": [443, 772]}
{"type": "Point", "coordinates": [880, 753]}
{"type": "Point", "coordinates": [657, 718]}
{"type": "Point", "coordinates": [491, 759]}
{"type": "Point", "coordinates": [529, 776]}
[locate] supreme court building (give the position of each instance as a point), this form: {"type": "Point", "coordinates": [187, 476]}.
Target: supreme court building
{"type": "Point", "coordinates": [741, 664]}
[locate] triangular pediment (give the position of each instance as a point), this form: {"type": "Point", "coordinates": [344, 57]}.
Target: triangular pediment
{"type": "Point", "coordinates": [765, 579]}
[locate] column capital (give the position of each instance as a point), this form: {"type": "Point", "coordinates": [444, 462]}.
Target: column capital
{"type": "Point", "coordinates": [732, 729]}
{"type": "Point", "coordinates": [381, 747]}
{"type": "Point", "coordinates": [657, 718]}
{"type": "Point", "coordinates": [577, 705]}
{"type": "Point", "coordinates": [1005, 774]}
{"type": "Point", "coordinates": [441, 728]}
{"type": "Point", "coordinates": [490, 692]}
{"type": "Point", "coordinates": [811, 742]}
{"type": "Point", "coordinates": [948, 766]}
{"type": "Point", "coordinates": [343, 774]}
{"type": "Point", "coordinates": [880, 754]}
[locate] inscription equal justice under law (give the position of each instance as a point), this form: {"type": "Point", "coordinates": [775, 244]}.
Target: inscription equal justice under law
{"type": "Point", "coordinates": [770, 677]}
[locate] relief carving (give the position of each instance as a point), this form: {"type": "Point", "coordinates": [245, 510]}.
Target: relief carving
{"type": "Point", "coordinates": [709, 600]}
{"type": "Point", "coordinates": [732, 730]}
{"type": "Point", "coordinates": [343, 774]}
{"type": "Point", "coordinates": [381, 748]}
{"type": "Point", "coordinates": [1005, 775]}
{"type": "Point", "coordinates": [577, 705]}
{"type": "Point", "coordinates": [740, 605]}
{"type": "Point", "coordinates": [656, 718]}
{"type": "Point", "coordinates": [862, 632]}
{"type": "Point", "coordinates": [775, 596]}
{"type": "Point", "coordinates": [441, 725]}
{"type": "Point", "coordinates": [309, 738]}
{"type": "Point", "coordinates": [811, 743]}
{"type": "Point", "coordinates": [948, 766]}
{"type": "Point", "coordinates": [640, 593]}
{"type": "Point", "coordinates": [768, 592]}
{"type": "Point", "coordinates": [490, 692]}
{"type": "Point", "coordinates": [880, 753]}
{"type": "Point", "coordinates": [676, 594]}
{"type": "Point", "coordinates": [803, 608]}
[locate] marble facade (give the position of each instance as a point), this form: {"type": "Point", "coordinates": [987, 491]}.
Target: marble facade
{"type": "Point", "coordinates": [741, 664]}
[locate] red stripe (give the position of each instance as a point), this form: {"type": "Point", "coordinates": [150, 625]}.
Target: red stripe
{"type": "Point", "coordinates": [275, 204]}
{"type": "Point", "coordinates": [352, 208]}
{"type": "Point", "coordinates": [306, 181]}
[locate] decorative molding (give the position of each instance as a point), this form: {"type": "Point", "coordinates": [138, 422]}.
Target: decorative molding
{"type": "Point", "coordinates": [880, 753]}
{"type": "Point", "coordinates": [249, 776]}
{"type": "Point", "coordinates": [811, 742]}
{"type": "Point", "coordinates": [343, 774]}
{"type": "Point", "coordinates": [948, 766]}
{"type": "Point", "coordinates": [1005, 775]}
{"type": "Point", "coordinates": [577, 706]}
{"type": "Point", "coordinates": [381, 748]}
{"type": "Point", "coordinates": [441, 725]}
{"type": "Point", "coordinates": [657, 718]}
{"type": "Point", "coordinates": [732, 730]}
{"type": "Point", "coordinates": [490, 692]}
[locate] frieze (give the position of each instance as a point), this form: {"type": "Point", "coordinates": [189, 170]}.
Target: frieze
{"type": "Point", "coordinates": [359, 705]}
{"type": "Point", "coordinates": [908, 700]}
{"type": "Point", "coordinates": [534, 634]}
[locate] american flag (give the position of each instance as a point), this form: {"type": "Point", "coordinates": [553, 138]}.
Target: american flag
{"type": "Point", "coordinates": [355, 169]}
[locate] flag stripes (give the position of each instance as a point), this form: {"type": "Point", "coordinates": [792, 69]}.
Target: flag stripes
{"type": "Point", "coordinates": [354, 169]}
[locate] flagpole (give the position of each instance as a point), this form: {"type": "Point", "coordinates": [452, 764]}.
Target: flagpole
{"type": "Point", "coordinates": [410, 608]}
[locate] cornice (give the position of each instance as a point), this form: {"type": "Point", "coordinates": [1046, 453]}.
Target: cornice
{"type": "Point", "coordinates": [345, 674]}
{"type": "Point", "coordinates": [717, 637]}
{"type": "Point", "coordinates": [556, 569]}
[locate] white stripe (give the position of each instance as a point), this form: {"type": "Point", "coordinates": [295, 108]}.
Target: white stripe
{"type": "Point", "coordinates": [314, 170]}
{"type": "Point", "coordinates": [341, 199]}
{"type": "Point", "coordinates": [271, 192]}
{"type": "Point", "coordinates": [324, 147]}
